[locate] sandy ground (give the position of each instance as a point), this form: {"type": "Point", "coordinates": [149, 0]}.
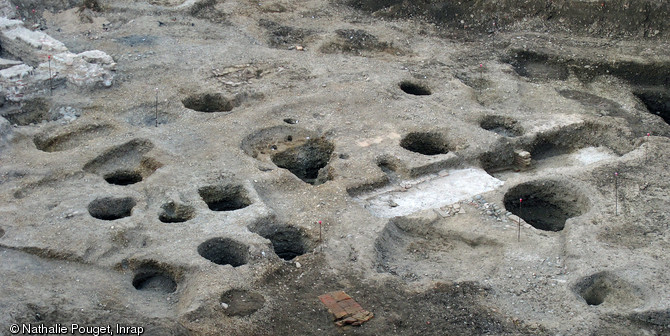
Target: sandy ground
{"type": "Point", "coordinates": [186, 199]}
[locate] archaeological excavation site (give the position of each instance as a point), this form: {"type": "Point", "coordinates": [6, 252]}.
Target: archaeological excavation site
{"type": "Point", "coordinates": [334, 167]}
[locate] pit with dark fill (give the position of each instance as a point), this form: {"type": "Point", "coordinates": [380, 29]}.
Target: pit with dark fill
{"type": "Point", "coordinates": [111, 208]}
{"type": "Point", "coordinates": [307, 160]}
{"type": "Point", "coordinates": [224, 251]}
{"type": "Point", "coordinates": [208, 102]}
{"type": "Point", "coordinates": [545, 205]}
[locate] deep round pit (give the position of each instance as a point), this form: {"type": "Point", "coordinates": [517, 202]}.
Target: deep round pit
{"type": "Point", "coordinates": [239, 302]}
{"type": "Point", "coordinates": [208, 102]}
{"type": "Point", "coordinates": [288, 242]}
{"type": "Point", "coordinates": [546, 205]}
{"type": "Point", "coordinates": [307, 160]}
{"type": "Point", "coordinates": [426, 143]}
{"type": "Point", "coordinates": [176, 213]}
{"type": "Point", "coordinates": [111, 208]}
{"type": "Point", "coordinates": [414, 88]}
{"type": "Point", "coordinates": [225, 198]}
{"type": "Point", "coordinates": [154, 279]}
{"type": "Point", "coordinates": [224, 251]}
{"type": "Point", "coordinates": [123, 177]}
{"type": "Point", "coordinates": [500, 125]}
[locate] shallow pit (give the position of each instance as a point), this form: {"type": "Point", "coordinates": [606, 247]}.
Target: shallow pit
{"type": "Point", "coordinates": [306, 161]}
{"type": "Point", "coordinates": [539, 67]}
{"type": "Point", "coordinates": [288, 242]}
{"type": "Point", "coordinates": [239, 302]}
{"type": "Point", "coordinates": [546, 205]}
{"type": "Point", "coordinates": [504, 126]}
{"type": "Point", "coordinates": [2, 232]}
{"type": "Point", "coordinates": [111, 208]}
{"type": "Point", "coordinates": [225, 197]}
{"type": "Point", "coordinates": [426, 143]}
{"type": "Point", "coordinates": [123, 177]}
{"type": "Point", "coordinates": [208, 102]}
{"type": "Point", "coordinates": [224, 251]}
{"type": "Point", "coordinates": [606, 288]}
{"type": "Point", "coordinates": [152, 278]}
{"type": "Point", "coordinates": [176, 213]}
{"type": "Point", "coordinates": [50, 142]}
{"type": "Point", "coordinates": [414, 88]}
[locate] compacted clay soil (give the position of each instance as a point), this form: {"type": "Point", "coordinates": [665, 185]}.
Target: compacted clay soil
{"type": "Point", "coordinates": [458, 168]}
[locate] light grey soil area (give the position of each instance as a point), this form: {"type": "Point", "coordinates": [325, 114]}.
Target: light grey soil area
{"type": "Point", "coordinates": [457, 168]}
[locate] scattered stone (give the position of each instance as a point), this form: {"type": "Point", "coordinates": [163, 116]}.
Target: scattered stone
{"type": "Point", "coordinates": [442, 213]}
{"type": "Point", "coordinates": [224, 305]}
{"type": "Point", "coordinates": [297, 264]}
{"type": "Point", "coordinates": [46, 62]}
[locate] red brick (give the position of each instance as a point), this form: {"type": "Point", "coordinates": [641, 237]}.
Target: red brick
{"type": "Point", "coordinates": [340, 295]}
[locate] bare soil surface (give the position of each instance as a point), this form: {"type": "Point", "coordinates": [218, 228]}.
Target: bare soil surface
{"type": "Point", "coordinates": [251, 156]}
